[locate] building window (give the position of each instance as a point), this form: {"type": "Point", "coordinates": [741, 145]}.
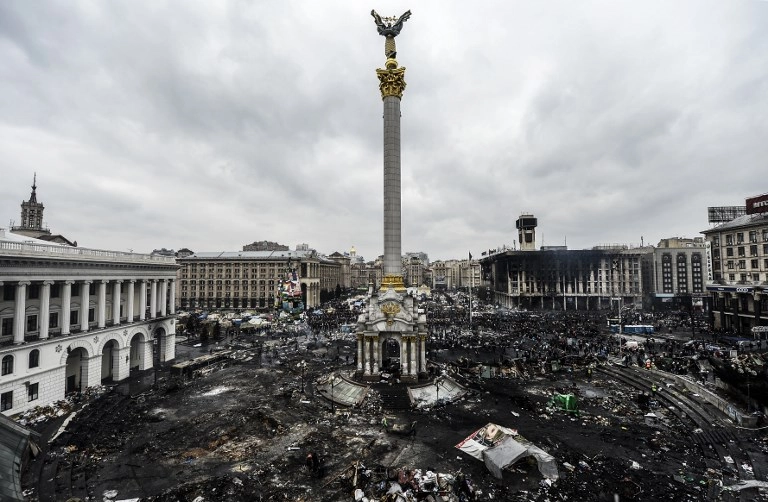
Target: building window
{"type": "Point", "coordinates": [752, 236]}
{"type": "Point", "coordinates": [91, 314]}
{"type": "Point", "coordinates": [32, 391]}
{"type": "Point", "coordinates": [31, 323]}
{"type": "Point", "coordinates": [7, 365]}
{"type": "Point", "coordinates": [75, 290]}
{"type": "Point", "coordinates": [33, 291]}
{"type": "Point", "coordinates": [740, 238]}
{"type": "Point", "coordinates": [53, 320]}
{"type": "Point", "coordinates": [754, 264]}
{"type": "Point", "coordinates": [6, 400]}
{"type": "Point", "coordinates": [741, 251]}
{"type": "Point", "coordinates": [7, 328]}
{"type": "Point", "coordinates": [729, 240]}
{"type": "Point", "coordinates": [34, 358]}
{"type": "Point", "coordinates": [73, 317]}
{"type": "Point", "coordinates": [9, 293]}
{"type": "Point", "coordinates": [728, 251]}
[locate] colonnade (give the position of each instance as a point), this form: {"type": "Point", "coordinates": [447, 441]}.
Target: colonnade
{"type": "Point", "coordinates": [162, 298]}
{"type": "Point", "coordinates": [413, 353]}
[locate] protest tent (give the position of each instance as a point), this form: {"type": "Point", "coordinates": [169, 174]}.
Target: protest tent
{"type": "Point", "coordinates": [499, 447]}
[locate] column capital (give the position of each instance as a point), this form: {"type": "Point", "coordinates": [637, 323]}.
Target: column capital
{"type": "Point", "coordinates": [118, 281]}
{"type": "Point", "coordinates": [48, 283]}
{"type": "Point", "coordinates": [104, 281]}
{"type": "Point", "coordinates": [24, 283]}
{"type": "Point", "coordinates": [87, 282]}
{"type": "Point", "coordinates": [132, 281]}
{"type": "Point", "coordinates": [69, 283]}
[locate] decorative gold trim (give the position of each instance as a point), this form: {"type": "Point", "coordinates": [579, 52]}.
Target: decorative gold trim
{"type": "Point", "coordinates": [391, 80]}
{"type": "Point", "coordinates": [393, 281]}
{"type": "Point", "coordinates": [390, 309]}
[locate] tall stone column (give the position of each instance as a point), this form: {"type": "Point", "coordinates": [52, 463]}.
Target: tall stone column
{"type": "Point", "coordinates": [359, 352]}
{"type": "Point", "coordinates": [116, 302]}
{"type": "Point", "coordinates": [85, 301]}
{"type": "Point", "coordinates": [66, 306]}
{"type": "Point", "coordinates": [392, 85]}
{"type": "Point", "coordinates": [423, 362]}
{"type": "Point", "coordinates": [172, 301]}
{"type": "Point", "coordinates": [376, 355]}
{"type": "Point", "coordinates": [19, 318]}
{"type": "Point", "coordinates": [143, 300]}
{"type": "Point", "coordinates": [153, 299]}
{"type": "Point", "coordinates": [101, 301]}
{"type": "Point", "coordinates": [163, 297]}
{"type": "Point", "coordinates": [129, 299]}
{"type": "Point", "coordinates": [45, 309]}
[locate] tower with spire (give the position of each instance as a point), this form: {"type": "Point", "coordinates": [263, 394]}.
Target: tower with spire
{"type": "Point", "coordinates": [32, 216]}
{"type": "Point", "coordinates": [32, 224]}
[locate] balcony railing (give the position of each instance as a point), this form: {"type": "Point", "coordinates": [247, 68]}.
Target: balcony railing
{"type": "Point", "coordinates": [77, 253]}
{"type": "Point", "coordinates": [7, 340]}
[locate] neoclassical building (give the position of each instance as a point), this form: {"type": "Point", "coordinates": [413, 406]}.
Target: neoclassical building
{"type": "Point", "coordinates": [72, 318]}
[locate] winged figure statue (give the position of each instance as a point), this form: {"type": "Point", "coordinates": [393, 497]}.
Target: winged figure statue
{"type": "Point", "coordinates": [388, 29]}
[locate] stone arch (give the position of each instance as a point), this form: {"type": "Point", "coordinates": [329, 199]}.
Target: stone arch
{"type": "Point", "coordinates": [159, 345]}
{"type": "Point", "coordinates": [110, 359]}
{"type": "Point", "coordinates": [75, 369]}
{"type": "Point", "coordinates": [77, 344]}
{"type": "Point", "coordinates": [137, 357]}
{"type": "Point", "coordinates": [391, 350]}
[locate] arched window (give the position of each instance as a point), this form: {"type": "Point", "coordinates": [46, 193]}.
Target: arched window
{"type": "Point", "coordinates": [34, 359]}
{"type": "Point", "coordinates": [7, 365]}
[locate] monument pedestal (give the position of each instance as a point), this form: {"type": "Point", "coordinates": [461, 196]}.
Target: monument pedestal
{"type": "Point", "coordinates": [390, 318]}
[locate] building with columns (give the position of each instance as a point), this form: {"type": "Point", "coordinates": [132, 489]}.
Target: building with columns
{"type": "Point", "coordinates": [72, 318]}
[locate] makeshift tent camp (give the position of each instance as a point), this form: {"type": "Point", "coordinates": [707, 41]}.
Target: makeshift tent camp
{"type": "Point", "coordinates": [499, 447]}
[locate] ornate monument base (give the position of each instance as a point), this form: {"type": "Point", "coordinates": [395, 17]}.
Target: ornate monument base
{"type": "Point", "coordinates": [391, 318]}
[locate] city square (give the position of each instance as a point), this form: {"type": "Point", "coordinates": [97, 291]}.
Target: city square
{"type": "Point", "coordinates": [586, 366]}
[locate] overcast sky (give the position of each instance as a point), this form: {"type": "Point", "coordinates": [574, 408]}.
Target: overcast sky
{"type": "Point", "coordinates": [210, 125]}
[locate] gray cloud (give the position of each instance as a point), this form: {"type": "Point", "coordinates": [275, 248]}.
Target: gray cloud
{"type": "Point", "coordinates": [213, 124]}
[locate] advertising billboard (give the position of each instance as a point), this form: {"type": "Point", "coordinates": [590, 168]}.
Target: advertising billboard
{"type": "Point", "coordinates": [757, 204]}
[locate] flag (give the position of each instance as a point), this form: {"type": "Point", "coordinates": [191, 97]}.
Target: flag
{"type": "Point", "coordinates": [470, 256]}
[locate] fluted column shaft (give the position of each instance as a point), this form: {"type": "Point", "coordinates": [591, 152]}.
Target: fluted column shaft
{"type": "Point", "coordinates": [101, 300]}
{"type": "Point", "coordinates": [19, 319]}
{"type": "Point", "coordinates": [85, 300]}
{"type": "Point", "coordinates": [45, 309]}
{"type": "Point", "coordinates": [129, 301]}
{"type": "Point", "coordinates": [392, 223]}
{"type": "Point", "coordinates": [153, 299]}
{"type": "Point", "coordinates": [116, 302]}
{"type": "Point", "coordinates": [66, 306]}
{"type": "Point", "coordinates": [143, 300]}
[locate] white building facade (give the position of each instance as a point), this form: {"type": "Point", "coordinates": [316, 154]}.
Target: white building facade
{"type": "Point", "coordinates": [72, 318]}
